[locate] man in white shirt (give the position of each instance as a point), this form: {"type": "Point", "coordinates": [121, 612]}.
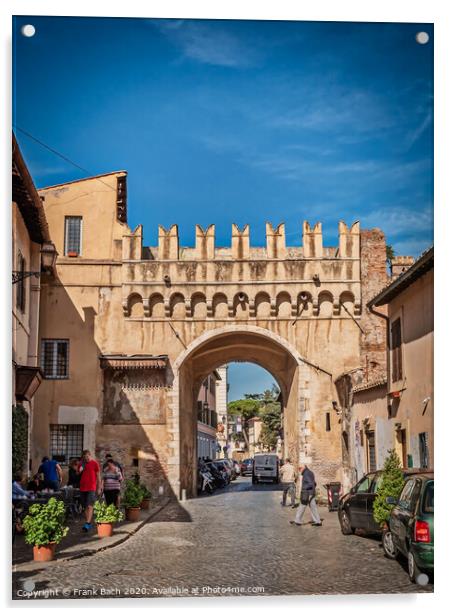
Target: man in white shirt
{"type": "Point", "coordinates": [287, 478]}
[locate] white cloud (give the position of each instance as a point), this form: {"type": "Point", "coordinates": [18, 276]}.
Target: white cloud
{"type": "Point", "coordinates": [208, 44]}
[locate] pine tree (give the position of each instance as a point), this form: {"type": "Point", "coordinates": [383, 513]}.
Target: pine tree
{"type": "Point", "coordinates": [391, 485]}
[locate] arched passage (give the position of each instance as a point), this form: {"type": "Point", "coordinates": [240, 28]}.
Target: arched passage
{"type": "Point", "coordinates": [205, 354]}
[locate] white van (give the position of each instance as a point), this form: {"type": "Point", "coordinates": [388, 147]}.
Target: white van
{"type": "Point", "coordinates": [266, 467]}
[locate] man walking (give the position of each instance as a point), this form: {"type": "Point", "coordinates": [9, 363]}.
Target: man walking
{"type": "Point", "coordinates": [52, 473]}
{"type": "Point", "coordinates": [90, 486]}
{"type": "Point", "coordinates": [307, 498]}
{"type": "Point", "coordinates": [287, 477]}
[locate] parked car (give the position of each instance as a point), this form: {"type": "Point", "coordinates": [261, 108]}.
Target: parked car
{"type": "Point", "coordinates": [246, 467]}
{"type": "Point", "coordinates": [356, 507]}
{"type": "Point", "coordinates": [230, 466]}
{"type": "Point", "coordinates": [266, 467]}
{"type": "Point", "coordinates": [410, 531]}
{"type": "Point", "coordinates": [224, 469]}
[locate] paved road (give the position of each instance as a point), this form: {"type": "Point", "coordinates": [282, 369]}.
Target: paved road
{"type": "Point", "coordinates": [237, 541]}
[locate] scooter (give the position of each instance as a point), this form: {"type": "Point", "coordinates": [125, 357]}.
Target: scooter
{"type": "Point", "coordinates": [206, 483]}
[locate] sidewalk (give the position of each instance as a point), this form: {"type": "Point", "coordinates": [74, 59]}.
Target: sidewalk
{"type": "Point", "coordinates": [78, 544]}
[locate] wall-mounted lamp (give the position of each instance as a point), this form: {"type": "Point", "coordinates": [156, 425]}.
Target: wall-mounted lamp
{"type": "Point", "coordinates": [336, 407]}
{"type": "Point", "coordinates": [167, 280]}
{"type": "Point", "coordinates": [316, 279]}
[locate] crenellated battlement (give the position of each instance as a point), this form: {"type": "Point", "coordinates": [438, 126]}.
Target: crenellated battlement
{"type": "Point", "coordinates": [311, 246]}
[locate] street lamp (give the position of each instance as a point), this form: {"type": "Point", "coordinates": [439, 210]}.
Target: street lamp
{"type": "Point", "coordinates": [48, 260]}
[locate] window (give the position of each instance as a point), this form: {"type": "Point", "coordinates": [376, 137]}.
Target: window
{"type": "Point", "coordinates": [364, 484]}
{"type": "Point", "coordinates": [396, 350]}
{"type": "Point", "coordinates": [20, 286]}
{"type": "Point", "coordinates": [328, 422]}
{"type": "Point", "coordinates": [54, 358]}
{"type": "Point", "coordinates": [371, 459]}
{"type": "Point", "coordinates": [423, 450]}
{"type": "Point", "coordinates": [66, 441]}
{"type": "Point", "coordinates": [428, 502]}
{"type": "Point", "coordinates": [73, 236]}
{"type": "Point", "coordinates": [405, 496]}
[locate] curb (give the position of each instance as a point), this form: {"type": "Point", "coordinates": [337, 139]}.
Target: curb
{"type": "Point", "coordinates": [102, 548]}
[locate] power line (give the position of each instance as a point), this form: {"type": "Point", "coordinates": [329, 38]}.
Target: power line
{"type": "Point", "coordinates": [65, 158]}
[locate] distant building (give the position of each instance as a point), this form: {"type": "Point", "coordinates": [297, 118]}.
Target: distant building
{"type": "Point", "coordinates": [208, 418]}
{"type": "Point", "coordinates": [254, 432]}
{"type": "Point", "coordinates": [222, 411]}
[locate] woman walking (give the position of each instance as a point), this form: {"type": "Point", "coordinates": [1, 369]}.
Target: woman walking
{"type": "Point", "coordinates": [111, 482]}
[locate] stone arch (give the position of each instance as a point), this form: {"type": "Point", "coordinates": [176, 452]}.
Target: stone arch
{"type": "Point", "coordinates": [212, 349]}
{"type": "Point", "coordinates": [262, 304]}
{"type": "Point", "coordinates": [347, 299]}
{"type": "Point", "coordinates": [283, 304]}
{"type": "Point", "coordinates": [240, 305]}
{"type": "Point", "coordinates": [156, 305]}
{"type": "Point", "coordinates": [198, 306]}
{"type": "Point", "coordinates": [177, 305]}
{"type": "Point", "coordinates": [220, 305]}
{"type": "Point", "coordinates": [325, 302]}
{"type": "Point", "coordinates": [135, 305]}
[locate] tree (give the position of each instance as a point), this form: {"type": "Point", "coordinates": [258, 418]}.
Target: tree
{"type": "Point", "coordinates": [390, 254]}
{"type": "Point", "coordinates": [19, 438]}
{"type": "Point", "coordinates": [391, 485]}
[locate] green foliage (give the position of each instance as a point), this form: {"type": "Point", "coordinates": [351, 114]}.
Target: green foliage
{"type": "Point", "coordinates": [391, 485]}
{"type": "Point", "coordinates": [146, 492]}
{"type": "Point", "coordinates": [271, 419]}
{"type": "Point", "coordinates": [19, 439]}
{"type": "Point", "coordinates": [44, 523]}
{"type": "Point", "coordinates": [390, 253]}
{"type": "Point", "coordinates": [104, 514]}
{"type": "Point", "coordinates": [264, 405]}
{"type": "Point", "coordinates": [133, 494]}
{"type": "Point", "coordinates": [244, 408]}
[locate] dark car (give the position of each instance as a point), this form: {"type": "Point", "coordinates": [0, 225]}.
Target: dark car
{"type": "Point", "coordinates": [410, 529]}
{"type": "Point", "coordinates": [356, 507]}
{"type": "Point", "coordinates": [246, 466]}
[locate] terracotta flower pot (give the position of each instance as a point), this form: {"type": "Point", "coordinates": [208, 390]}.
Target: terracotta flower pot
{"type": "Point", "coordinates": [145, 503]}
{"type": "Point", "coordinates": [133, 514]}
{"type": "Point", "coordinates": [44, 553]}
{"type": "Point", "coordinates": [104, 529]}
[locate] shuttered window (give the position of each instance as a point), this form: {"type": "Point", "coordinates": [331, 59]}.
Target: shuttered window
{"type": "Point", "coordinates": [73, 236]}
{"type": "Point", "coordinates": [20, 285]}
{"type": "Point", "coordinates": [54, 359]}
{"type": "Point", "coordinates": [396, 350]}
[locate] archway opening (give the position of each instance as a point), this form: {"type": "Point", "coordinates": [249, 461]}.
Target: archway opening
{"type": "Point", "coordinates": [208, 354]}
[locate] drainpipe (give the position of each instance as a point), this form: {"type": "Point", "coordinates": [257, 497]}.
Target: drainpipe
{"type": "Point", "coordinates": [371, 308]}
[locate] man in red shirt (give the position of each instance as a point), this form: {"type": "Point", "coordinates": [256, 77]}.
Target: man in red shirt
{"type": "Point", "coordinates": [89, 486]}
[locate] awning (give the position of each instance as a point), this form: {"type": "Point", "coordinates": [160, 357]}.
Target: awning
{"type": "Point", "coordinates": [133, 362]}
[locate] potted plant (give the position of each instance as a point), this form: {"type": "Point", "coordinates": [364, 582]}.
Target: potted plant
{"type": "Point", "coordinates": [132, 497]}
{"type": "Point", "coordinates": [105, 516]}
{"type": "Point", "coordinates": [44, 528]}
{"type": "Point", "coordinates": [147, 495]}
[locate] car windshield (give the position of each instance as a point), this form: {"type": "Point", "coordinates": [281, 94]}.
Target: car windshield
{"type": "Point", "coordinates": [428, 502]}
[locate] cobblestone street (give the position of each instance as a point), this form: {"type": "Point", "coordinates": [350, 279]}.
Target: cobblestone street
{"type": "Point", "coordinates": [237, 541]}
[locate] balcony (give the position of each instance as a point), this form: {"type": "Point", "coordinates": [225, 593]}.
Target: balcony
{"type": "Point", "coordinates": [208, 417]}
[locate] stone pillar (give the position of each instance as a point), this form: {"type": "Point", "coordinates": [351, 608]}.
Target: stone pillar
{"type": "Point", "coordinates": [168, 243]}
{"type": "Point", "coordinates": [276, 241]}
{"type": "Point", "coordinates": [312, 240]}
{"type": "Point", "coordinates": [240, 244]}
{"type": "Point", "coordinates": [205, 242]}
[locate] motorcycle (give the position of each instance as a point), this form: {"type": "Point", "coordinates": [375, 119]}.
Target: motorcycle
{"type": "Point", "coordinates": [205, 480]}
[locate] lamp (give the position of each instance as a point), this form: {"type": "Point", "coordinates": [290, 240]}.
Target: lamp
{"type": "Point", "coordinates": [48, 260]}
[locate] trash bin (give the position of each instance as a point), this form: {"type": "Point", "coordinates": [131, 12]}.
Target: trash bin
{"type": "Point", "coordinates": [334, 491]}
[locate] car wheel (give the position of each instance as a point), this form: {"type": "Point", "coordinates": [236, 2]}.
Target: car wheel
{"type": "Point", "coordinates": [413, 569]}
{"type": "Point", "coordinates": [389, 547]}
{"type": "Point", "coordinates": [346, 527]}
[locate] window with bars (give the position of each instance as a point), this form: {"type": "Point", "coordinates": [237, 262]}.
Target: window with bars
{"type": "Point", "coordinates": [66, 442]}
{"type": "Point", "coordinates": [55, 359]}
{"type": "Point", "coordinates": [20, 286]}
{"type": "Point", "coordinates": [396, 350]}
{"type": "Point", "coordinates": [73, 236]}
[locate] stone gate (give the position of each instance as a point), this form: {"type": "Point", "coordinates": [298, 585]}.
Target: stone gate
{"type": "Point", "coordinates": [147, 324]}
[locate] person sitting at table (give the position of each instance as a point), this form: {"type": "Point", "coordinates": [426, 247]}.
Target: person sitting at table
{"type": "Point", "coordinates": [52, 473]}
{"type": "Point", "coordinates": [18, 491]}
{"type": "Point", "coordinates": [73, 474]}
{"type": "Point", "coordinates": [35, 484]}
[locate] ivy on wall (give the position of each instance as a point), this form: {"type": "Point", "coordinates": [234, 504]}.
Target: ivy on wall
{"type": "Point", "coordinates": [19, 438]}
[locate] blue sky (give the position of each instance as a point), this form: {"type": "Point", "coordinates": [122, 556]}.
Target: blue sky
{"type": "Point", "coordinates": [236, 121]}
{"type": "Point", "coordinates": [245, 378]}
